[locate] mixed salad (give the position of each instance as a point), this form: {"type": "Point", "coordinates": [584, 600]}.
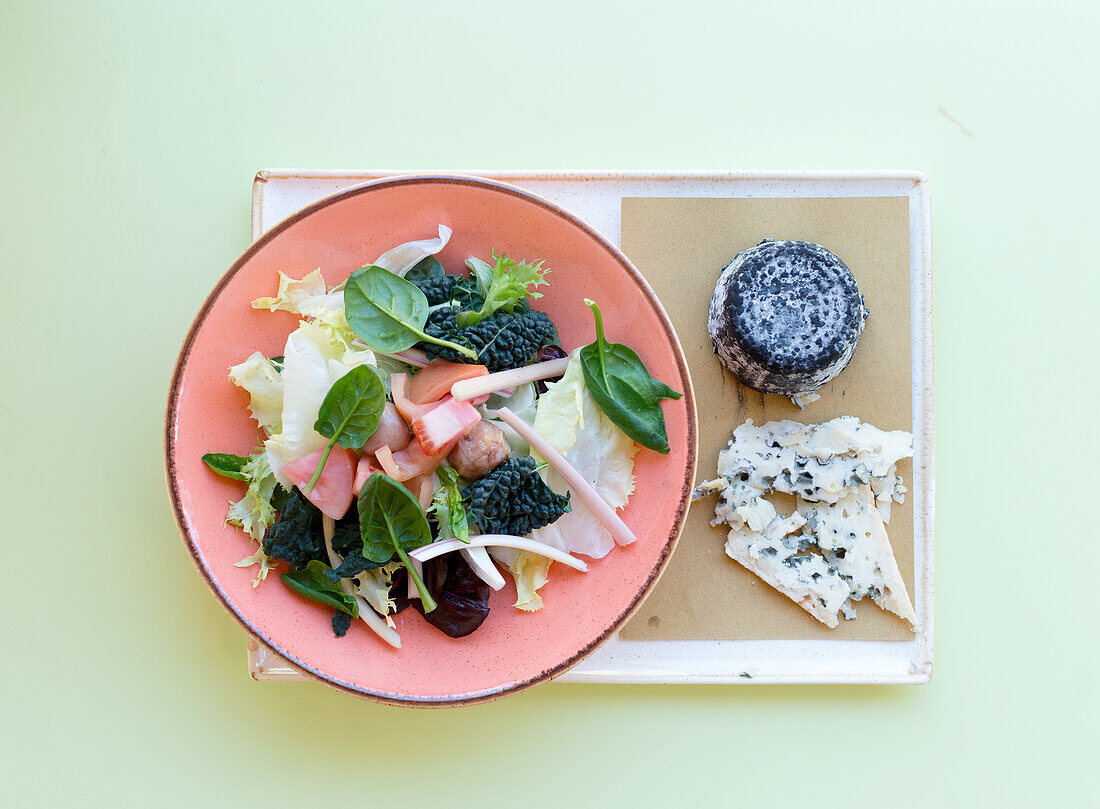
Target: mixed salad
{"type": "Point", "coordinates": [423, 427]}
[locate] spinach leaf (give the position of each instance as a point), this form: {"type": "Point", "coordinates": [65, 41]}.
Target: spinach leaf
{"type": "Point", "coordinates": [390, 519]}
{"type": "Point", "coordinates": [226, 465]}
{"type": "Point", "coordinates": [350, 413]}
{"type": "Point", "coordinates": [388, 313]}
{"type": "Point", "coordinates": [622, 387]}
{"type": "Point", "coordinates": [449, 508]}
{"type": "Point", "coordinates": [352, 408]}
{"type": "Point", "coordinates": [663, 391]}
{"type": "Point", "coordinates": [315, 585]}
{"type": "Point", "coordinates": [427, 269]}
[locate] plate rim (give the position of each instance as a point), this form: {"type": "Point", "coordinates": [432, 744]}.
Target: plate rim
{"type": "Point", "coordinates": [175, 389]}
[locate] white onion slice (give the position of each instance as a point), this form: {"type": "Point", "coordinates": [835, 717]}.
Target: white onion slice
{"type": "Point", "coordinates": [399, 260]}
{"type": "Point", "coordinates": [479, 561]}
{"type": "Point", "coordinates": [575, 480]}
{"type": "Point", "coordinates": [426, 552]}
{"type": "Point", "coordinates": [410, 356]}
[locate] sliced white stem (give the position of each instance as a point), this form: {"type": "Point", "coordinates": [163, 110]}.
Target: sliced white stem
{"type": "Point", "coordinates": [466, 389]}
{"type": "Point", "coordinates": [410, 590]}
{"type": "Point", "coordinates": [426, 552]}
{"type": "Point", "coordinates": [479, 561]}
{"type": "Point", "coordinates": [410, 356]}
{"type": "Point", "coordinates": [371, 618]}
{"type": "Point", "coordinates": [576, 481]}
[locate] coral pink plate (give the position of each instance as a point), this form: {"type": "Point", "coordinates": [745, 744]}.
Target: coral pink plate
{"type": "Point", "coordinates": [512, 650]}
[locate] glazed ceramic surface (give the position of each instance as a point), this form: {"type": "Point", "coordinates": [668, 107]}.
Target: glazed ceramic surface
{"type": "Point", "coordinates": [206, 413]}
{"type": "Point", "coordinates": [597, 197]}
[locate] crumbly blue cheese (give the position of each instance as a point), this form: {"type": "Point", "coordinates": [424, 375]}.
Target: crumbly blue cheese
{"type": "Point", "coordinates": [833, 549]}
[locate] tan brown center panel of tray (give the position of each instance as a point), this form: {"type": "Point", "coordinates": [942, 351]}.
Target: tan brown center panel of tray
{"type": "Point", "coordinates": [681, 246]}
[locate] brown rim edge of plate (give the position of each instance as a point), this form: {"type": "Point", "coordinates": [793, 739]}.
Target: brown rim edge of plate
{"type": "Point", "coordinates": [658, 569]}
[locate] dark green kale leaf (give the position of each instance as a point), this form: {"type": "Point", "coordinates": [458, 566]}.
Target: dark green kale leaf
{"type": "Point", "coordinates": [452, 289]}
{"type": "Point", "coordinates": [278, 497]}
{"type": "Point", "coordinates": [427, 269]}
{"type": "Point", "coordinates": [512, 499]}
{"type": "Point", "coordinates": [505, 340]}
{"type": "Point", "coordinates": [354, 563]}
{"type": "Point", "coordinates": [347, 537]}
{"type": "Point", "coordinates": [296, 536]}
{"type": "Point", "coordinates": [341, 623]}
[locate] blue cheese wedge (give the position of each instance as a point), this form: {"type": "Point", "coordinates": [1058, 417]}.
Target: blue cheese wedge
{"type": "Point", "coordinates": [832, 550]}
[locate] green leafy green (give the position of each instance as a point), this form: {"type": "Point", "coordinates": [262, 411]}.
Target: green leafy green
{"type": "Point", "coordinates": [502, 286]}
{"type": "Point", "coordinates": [663, 391]}
{"type": "Point", "coordinates": [427, 269]}
{"type": "Point", "coordinates": [226, 465]}
{"type": "Point", "coordinates": [513, 499]}
{"type": "Point", "coordinates": [624, 390]}
{"type": "Point", "coordinates": [448, 507]}
{"type": "Point", "coordinates": [341, 623]}
{"type": "Point", "coordinates": [352, 565]}
{"type": "Point", "coordinates": [505, 340]}
{"type": "Point", "coordinates": [390, 519]}
{"type": "Point", "coordinates": [296, 537]}
{"type": "Point", "coordinates": [255, 512]}
{"type": "Point", "coordinates": [388, 313]}
{"type": "Point", "coordinates": [350, 413]}
{"type": "Point", "coordinates": [312, 583]}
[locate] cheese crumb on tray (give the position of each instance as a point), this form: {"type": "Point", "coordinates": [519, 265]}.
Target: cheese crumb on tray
{"type": "Point", "coordinates": [832, 550]}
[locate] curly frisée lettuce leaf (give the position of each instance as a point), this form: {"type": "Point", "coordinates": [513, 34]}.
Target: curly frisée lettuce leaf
{"type": "Point", "coordinates": [254, 513]}
{"type": "Point", "coordinates": [502, 285]}
{"type": "Point", "coordinates": [448, 508]}
{"type": "Point", "coordinates": [293, 293]}
{"type": "Point", "coordinates": [310, 298]}
{"type": "Point", "coordinates": [375, 585]}
{"type": "Point", "coordinates": [265, 388]}
{"type": "Point", "coordinates": [531, 571]}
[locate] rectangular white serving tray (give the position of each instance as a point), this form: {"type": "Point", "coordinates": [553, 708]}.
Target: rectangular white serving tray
{"type": "Point", "coordinates": [596, 197]}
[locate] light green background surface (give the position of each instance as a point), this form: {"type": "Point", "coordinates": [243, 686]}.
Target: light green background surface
{"type": "Point", "coordinates": [130, 133]}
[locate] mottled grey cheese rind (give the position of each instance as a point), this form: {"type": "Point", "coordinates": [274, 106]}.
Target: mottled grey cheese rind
{"type": "Point", "coordinates": [786, 316]}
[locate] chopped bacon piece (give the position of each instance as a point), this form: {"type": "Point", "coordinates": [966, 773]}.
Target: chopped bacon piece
{"type": "Point", "coordinates": [332, 493]}
{"type": "Point", "coordinates": [363, 471]}
{"type": "Point", "coordinates": [434, 382]}
{"type": "Point", "coordinates": [444, 424]}
{"type": "Point", "coordinates": [399, 387]}
{"type": "Point", "coordinates": [392, 431]}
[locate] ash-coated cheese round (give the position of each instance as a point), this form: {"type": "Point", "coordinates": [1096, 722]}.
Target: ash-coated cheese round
{"type": "Point", "coordinates": [786, 316]}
